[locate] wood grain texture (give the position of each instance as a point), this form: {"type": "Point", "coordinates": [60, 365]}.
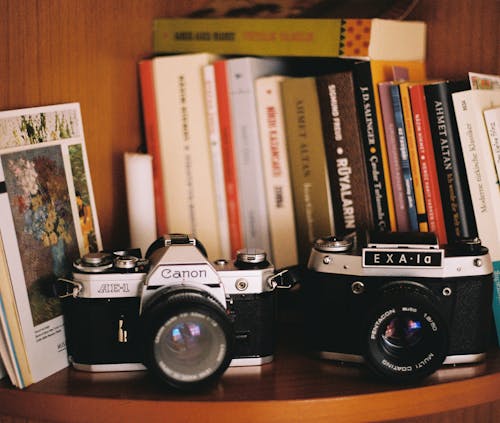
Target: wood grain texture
{"type": "Point", "coordinates": [295, 387]}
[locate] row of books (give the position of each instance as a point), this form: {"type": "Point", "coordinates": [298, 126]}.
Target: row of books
{"type": "Point", "coordinates": [292, 150]}
{"type": "Point", "coordinates": [263, 152]}
{"type": "Point", "coordinates": [236, 188]}
{"type": "Point", "coordinates": [48, 220]}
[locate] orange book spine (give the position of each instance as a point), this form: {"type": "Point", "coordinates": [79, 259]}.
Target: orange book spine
{"type": "Point", "coordinates": [153, 140]}
{"type": "Point", "coordinates": [229, 163]}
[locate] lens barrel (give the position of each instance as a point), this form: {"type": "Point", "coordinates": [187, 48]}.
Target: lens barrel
{"type": "Point", "coordinates": [406, 336]}
{"type": "Point", "coordinates": [188, 338]}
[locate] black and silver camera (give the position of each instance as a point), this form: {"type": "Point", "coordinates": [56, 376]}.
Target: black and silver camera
{"type": "Point", "coordinates": [398, 302]}
{"type": "Point", "coordinates": [175, 313]}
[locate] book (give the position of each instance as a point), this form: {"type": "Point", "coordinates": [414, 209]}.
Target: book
{"type": "Point", "coordinates": [482, 81]}
{"type": "Point", "coordinates": [404, 156]}
{"type": "Point", "coordinates": [394, 158]}
{"type": "Point", "coordinates": [457, 205]}
{"type": "Point", "coordinates": [276, 171]}
{"type": "Point", "coordinates": [152, 137]}
{"type": "Point", "coordinates": [241, 74]}
{"type": "Point", "coordinates": [138, 169]}
{"type": "Point", "coordinates": [308, 168]}
{"type": "Point", "coordinates": [214, 135]}
{"type": "Point", "coordinates": [189, 193]}
{"type": "Point", "coordinates": [12, 348]}
{"type": "Point", "coordinates": [383, 71]}
{"type": "Point", "coordinates": [492, 121]}
{"type": "Point", "coordinates": [369, 130]}
{"type": "Point", "coordinates": [411, 141]}
{"type": "Point", "coordinates": [344, 151]}
{"type": "Point", "coordinates": [481, 174]}
{"type": "Point", "coordinates": [48, 220]}
{"type": "Point", "coordinates": [427, 162]}
{"type": "Point", "coordinates": [228, 157]}
{"type": "Point", "coordinates": [380, 39]}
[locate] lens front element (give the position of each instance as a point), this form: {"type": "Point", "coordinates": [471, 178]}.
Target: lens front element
{"type": "Point", "coordinates": [190, 346]}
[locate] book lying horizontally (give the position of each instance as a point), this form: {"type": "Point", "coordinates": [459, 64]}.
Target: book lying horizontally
{"type": "Point", "coordinates": [48, 220]}
{"type": "Point", "coordinates": [380, 39]}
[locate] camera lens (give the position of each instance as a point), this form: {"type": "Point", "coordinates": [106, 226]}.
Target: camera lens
{"type": "Point", "coordinates": [406, 336]}
{"type": "Point", "coordinates": [190, 346]}
{"type": "Point", "coordinates": [189, 338]}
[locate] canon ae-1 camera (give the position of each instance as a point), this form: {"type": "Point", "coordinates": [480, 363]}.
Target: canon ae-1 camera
{"type": "Point", "coordinates": [398, 302]}
{"type": "Point", "coordinates": [179, 315]}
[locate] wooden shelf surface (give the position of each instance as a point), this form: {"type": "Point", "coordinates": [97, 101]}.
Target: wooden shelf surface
{"type": "Point", "coordinates": [295, 387]}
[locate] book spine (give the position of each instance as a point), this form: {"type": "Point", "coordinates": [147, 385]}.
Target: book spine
{"type": "Point", "coordinates": [270, 37]}
{"type": "Point", "coordinates": [138, 170]}
{"type": "Point", "coordinates": [380, 39]}
{"type": "Point", "coordinates": [242, 73]}
{"type": "Point", "coordinates": [394, 158]}
{"type": "Point", "coordinates": [481, 175]}
{"type": "Point", "coordinates": [149, 116]}
{"type": "Point", "coordinates": [308, 170]}
{"type": "Point", "coordinates": [343, 148]}
{"type": "Point", "coordinates": [228, 157]}
{"type": "Point", "coordinates": [371, 144]}
{"type": "Point", "coordinates": [459, 215]}
{"type": "Point", "coordinates": [276, 171]}
{"type": "Point", "coordinates": [492, 121]}
{"type": "Point", "coordinates": [404, 156]}
{"type": "Point", "coordinates": [430, 183]}
{"type": "Point", "coordinates": [187, 174]}
{"type": "Point", "coordinates": [214, 136]}
{"type": "Point", "coordinates": [423, 225]}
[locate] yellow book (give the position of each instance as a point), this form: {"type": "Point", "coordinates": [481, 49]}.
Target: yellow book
{"type": "Point", "coordinates": [367, 38]}
{"type": "Point", "coordinates": [413, 157]}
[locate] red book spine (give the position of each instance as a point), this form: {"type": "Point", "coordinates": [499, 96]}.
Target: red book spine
{"type": "Point", "coordinates": [153, 140]}
{"type": "Point", "coordinates": [229, 161]}
{"type": "Point", "coordinates": [428, 170]}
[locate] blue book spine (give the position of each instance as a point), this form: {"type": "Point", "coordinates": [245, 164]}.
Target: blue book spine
{"type": "Point", "coordinates": [405, 160]}
{"type": "Point", "coordinates": [496, 296]}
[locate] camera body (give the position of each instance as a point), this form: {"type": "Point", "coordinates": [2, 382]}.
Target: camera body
{"type": "Point", "coordinates": [398, 302]}
{"type": "Point", "coordinates": [175, 313]}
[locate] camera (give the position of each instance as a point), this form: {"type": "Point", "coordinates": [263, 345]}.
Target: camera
{"type": "Point", "coordinates": [174, 312]}
{"type": "Point", "coordinates": [398, 302]}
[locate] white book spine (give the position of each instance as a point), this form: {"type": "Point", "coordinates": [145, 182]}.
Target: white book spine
{"type": "Point", "coordinates": [217, 162]}
{"type": "Point", "coordinates": [276, 171]}
{"type": "Point", "coordinates": [184, 147]}
{"type": "Point", "coordinates": [140, 200]}
{"type": "Point", "coordinates": [242, 73]}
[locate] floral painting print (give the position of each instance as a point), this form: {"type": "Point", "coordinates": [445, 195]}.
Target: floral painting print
{"type": "Point", "coordinates": [40, 203]}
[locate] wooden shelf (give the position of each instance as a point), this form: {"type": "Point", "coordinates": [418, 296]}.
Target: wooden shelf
{"type": "Point", "coordinates": [294, 385]}
{"type": "Point", "coordinates": [62, 51]}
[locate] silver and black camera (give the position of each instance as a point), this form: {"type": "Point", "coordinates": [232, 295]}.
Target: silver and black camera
{"type": "Point", "coordinates": [398, 302]}
{"type": "Point", "coordinates": [174, 313]}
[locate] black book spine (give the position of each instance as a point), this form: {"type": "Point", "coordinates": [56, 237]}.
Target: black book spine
{"type": "Point", "coordinates": [369, 131]}
{"type": "Point", "coordinates": [344, 153]}
{"type": "Point", "coordinates": [459, 215]}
